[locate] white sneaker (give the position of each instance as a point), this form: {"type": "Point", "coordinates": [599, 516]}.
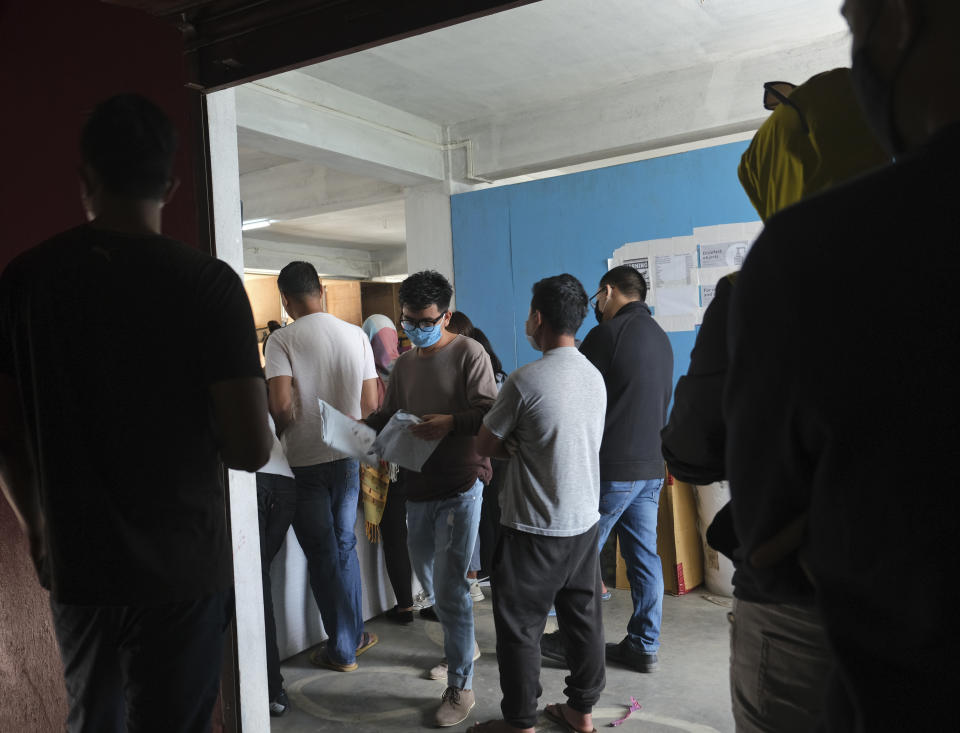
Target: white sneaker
{"type": "Point", "coordinates": [475, 593]}
{"type": "Point", "coordinates": [440, 671]}
{"type": "Point", "coordinates": [422, 600]}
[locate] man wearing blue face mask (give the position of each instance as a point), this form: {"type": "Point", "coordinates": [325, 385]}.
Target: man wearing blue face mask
{"type": "Point", "coordinates": [446, 380]}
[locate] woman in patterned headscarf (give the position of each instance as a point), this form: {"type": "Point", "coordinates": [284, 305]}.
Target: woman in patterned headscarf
{"type": "Point", "coordinates": [384, 501]}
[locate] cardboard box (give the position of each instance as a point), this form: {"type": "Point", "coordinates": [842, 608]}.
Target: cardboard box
{"type": "Point", "coordinates": [678, 540]}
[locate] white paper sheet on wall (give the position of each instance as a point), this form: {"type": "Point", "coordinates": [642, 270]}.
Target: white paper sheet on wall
{"type": "Point", "coordinates": [676, 323]}
{"type": "Point", "coordinates": [726, 254]}
{"type": "Point", "coordinates": [682, 272]}
{"type": "Point", "coordinates": [679, 301]}
{"type": "Point", "coordinates": [706, 298]}
{"type": "Point", "coordinates": [641, 265]}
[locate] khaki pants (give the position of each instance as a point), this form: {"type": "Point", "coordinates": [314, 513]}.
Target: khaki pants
{"type": "Point", "coordinates": [779, 665]}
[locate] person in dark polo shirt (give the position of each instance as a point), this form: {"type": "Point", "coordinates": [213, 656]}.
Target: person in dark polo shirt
{"type": "Point", "coordinates": [128, 372]}
{"type": "Point", "coordinates": [634, 356]}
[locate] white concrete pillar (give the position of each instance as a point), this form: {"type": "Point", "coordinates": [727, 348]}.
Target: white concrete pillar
{"type": "Point", "coordinates": [429, 236]}
{"type": "Point", "coordinates": [251, 653]}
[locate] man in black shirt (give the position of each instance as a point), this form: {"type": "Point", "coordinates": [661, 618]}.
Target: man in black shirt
{"type": "Point", "coordinates": [634, 356]}
{"type": "Point", "coordinates": [114, 409]}
{"type": "Point", "coordinates": [841, 402]}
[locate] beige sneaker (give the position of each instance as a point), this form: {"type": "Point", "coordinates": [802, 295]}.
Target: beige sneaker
{"type": "Point", "coordinates": [440, 671]}
{"type": "Point", "coordinates": [455, 706]}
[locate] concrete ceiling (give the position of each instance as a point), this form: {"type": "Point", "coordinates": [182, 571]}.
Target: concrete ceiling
{"type": "Point", "coordinates": [552, 74]}
{"type": "Point", "coordinates": [252, 160]}
{"type": "Point", "coordinates": [552, 50]}
{"type": "Point", "coordinates": [378, 225]}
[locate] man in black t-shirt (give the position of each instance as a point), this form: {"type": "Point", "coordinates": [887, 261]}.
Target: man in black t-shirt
{"type": "Point", "coordinates": [110, 436]}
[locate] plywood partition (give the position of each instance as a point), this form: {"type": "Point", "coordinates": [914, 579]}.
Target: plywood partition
{"type": "Point", "coordinates": [380, 298]}
{"type": "Point", "coordinates": [343, 300]}
{"type": "Point", "coordinates": [264, 298]}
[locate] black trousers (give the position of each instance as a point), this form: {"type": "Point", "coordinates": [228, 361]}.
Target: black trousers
{"type": "Point", "coordinates": [142, 668]}
{"type": "Point", "coordinates": [488, 533]}
{"type": "Point", "coordinates": [276, 507]}
{"type": "Point", "coordinates": [393, 529]}
{"type": "Point", "coordinates": [531, 573]}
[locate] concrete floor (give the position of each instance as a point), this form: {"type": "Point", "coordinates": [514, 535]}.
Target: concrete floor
{"type": "Point", "coordinates": [390, 691]}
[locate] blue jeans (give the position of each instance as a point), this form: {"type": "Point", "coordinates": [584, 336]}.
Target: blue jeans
{"type": "Point", "coordinates": [440, 536]}
{"type": "Point", "coordinates": [632, 507]}
{"type": "Point", "coordinates": [324, 522]}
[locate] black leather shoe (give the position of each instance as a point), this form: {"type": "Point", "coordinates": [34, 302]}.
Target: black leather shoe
{"type": "Point", "coordinates": [624, 653]}
{"type": "Point", "coordinates": [429, 614]}
{"type": "Point", "coordinates": [397, 616]}
{"type": "Point", "coordinates": [551, 647]}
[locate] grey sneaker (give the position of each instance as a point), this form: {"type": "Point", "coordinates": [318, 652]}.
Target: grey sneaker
{"type": "Point", "coordinates": [455, 706]}
{"type": "Point", "coordinates": [475, 593]}
{"type": "Point", "coordinates": [440, 671]}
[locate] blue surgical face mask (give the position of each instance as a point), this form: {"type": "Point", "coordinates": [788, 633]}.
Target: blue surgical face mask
{"type": "Point", "coordinates": [424, 339]}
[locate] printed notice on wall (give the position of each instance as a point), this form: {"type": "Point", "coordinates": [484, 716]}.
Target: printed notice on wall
{"type": "Point", "coordinates": [682, 272]}
{"type": "Point", "coordinates": [674, 269]}
{"type": "Point", "coordinates": [706, 295]}
{"type": "Point", "coordinates": [642, 265]}
{"type": "Point", "coordinates": [726, 254]}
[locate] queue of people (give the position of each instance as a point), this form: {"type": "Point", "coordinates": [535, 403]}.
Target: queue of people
{"type": "Point", "coordinates": [832, 412]}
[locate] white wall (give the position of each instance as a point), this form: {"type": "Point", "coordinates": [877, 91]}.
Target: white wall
{"type": "Point", "coordinates": [245, 528]}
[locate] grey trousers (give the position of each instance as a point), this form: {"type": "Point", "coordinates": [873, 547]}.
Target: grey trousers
{"type": "Point", "coordinates": [779, 665]}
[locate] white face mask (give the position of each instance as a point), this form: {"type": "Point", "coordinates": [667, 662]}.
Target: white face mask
{"type": "Point", "coordinates": [530, 339]}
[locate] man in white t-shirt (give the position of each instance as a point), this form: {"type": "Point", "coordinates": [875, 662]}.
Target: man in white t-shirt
{"type": "Point", "coordinates": [320, 356]}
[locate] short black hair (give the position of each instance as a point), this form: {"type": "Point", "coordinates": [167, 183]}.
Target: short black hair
{"type": "Point", "coordinates": [426, 288]}
{"type": "Point", "coordinates": [562, 303]}
{"type": "Point", "coordinates": [460, 323]}
{"type": "Point", "coordinates": [299, 278]}
{"type": "Point", "coordinates": [627, 280]}
{"type": "Point", "coordinates": [130, 143]}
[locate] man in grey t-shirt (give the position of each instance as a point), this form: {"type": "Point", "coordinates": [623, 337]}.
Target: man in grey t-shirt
{"type": "Point", "coordinates": [548, 421]}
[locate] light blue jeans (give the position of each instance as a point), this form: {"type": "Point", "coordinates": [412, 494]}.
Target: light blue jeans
{"type": "Point", "coordinates": [631, 506]}
{"type": "Point", "coordinates": [440, 536]}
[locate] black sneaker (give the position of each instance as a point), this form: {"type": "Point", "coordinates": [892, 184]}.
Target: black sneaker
{"type": "Point", "coordinates": [279, 704]}
{"type": "Point", "coordinates": [626, 654]}
{"type": "Point", "coordinates": [399, 617]}
{"type": "Point", "coordinates": [551, 647]}
{"type": "Point", "coordinates": [429, 614]}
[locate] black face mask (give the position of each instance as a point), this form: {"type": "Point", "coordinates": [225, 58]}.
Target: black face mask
{"type": "Point", "coordinates": [876, 94]}
{"type": "Point", "coordinates": [597, 312]}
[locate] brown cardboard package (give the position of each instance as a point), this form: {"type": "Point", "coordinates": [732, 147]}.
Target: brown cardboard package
{"type": "Point", "coordinates": [678, 541]}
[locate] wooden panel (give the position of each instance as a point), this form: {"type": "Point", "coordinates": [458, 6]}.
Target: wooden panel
{"type": "Point", "coordinates": [343, 300]}
{"type": "Point", "coordinates": [380, 298]}
{"type": "Point", "coordinates": [264, 298]}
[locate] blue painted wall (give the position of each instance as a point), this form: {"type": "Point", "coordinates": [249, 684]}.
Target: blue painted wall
{"type": "Point", "coordinates": [507, 238]}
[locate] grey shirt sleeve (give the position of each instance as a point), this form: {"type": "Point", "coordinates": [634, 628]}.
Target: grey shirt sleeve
{"type": "Point", "coordinates": [503, 416]}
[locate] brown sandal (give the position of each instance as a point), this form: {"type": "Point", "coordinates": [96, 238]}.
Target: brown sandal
{"type": "Point", "coordinates": [555, 713]}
